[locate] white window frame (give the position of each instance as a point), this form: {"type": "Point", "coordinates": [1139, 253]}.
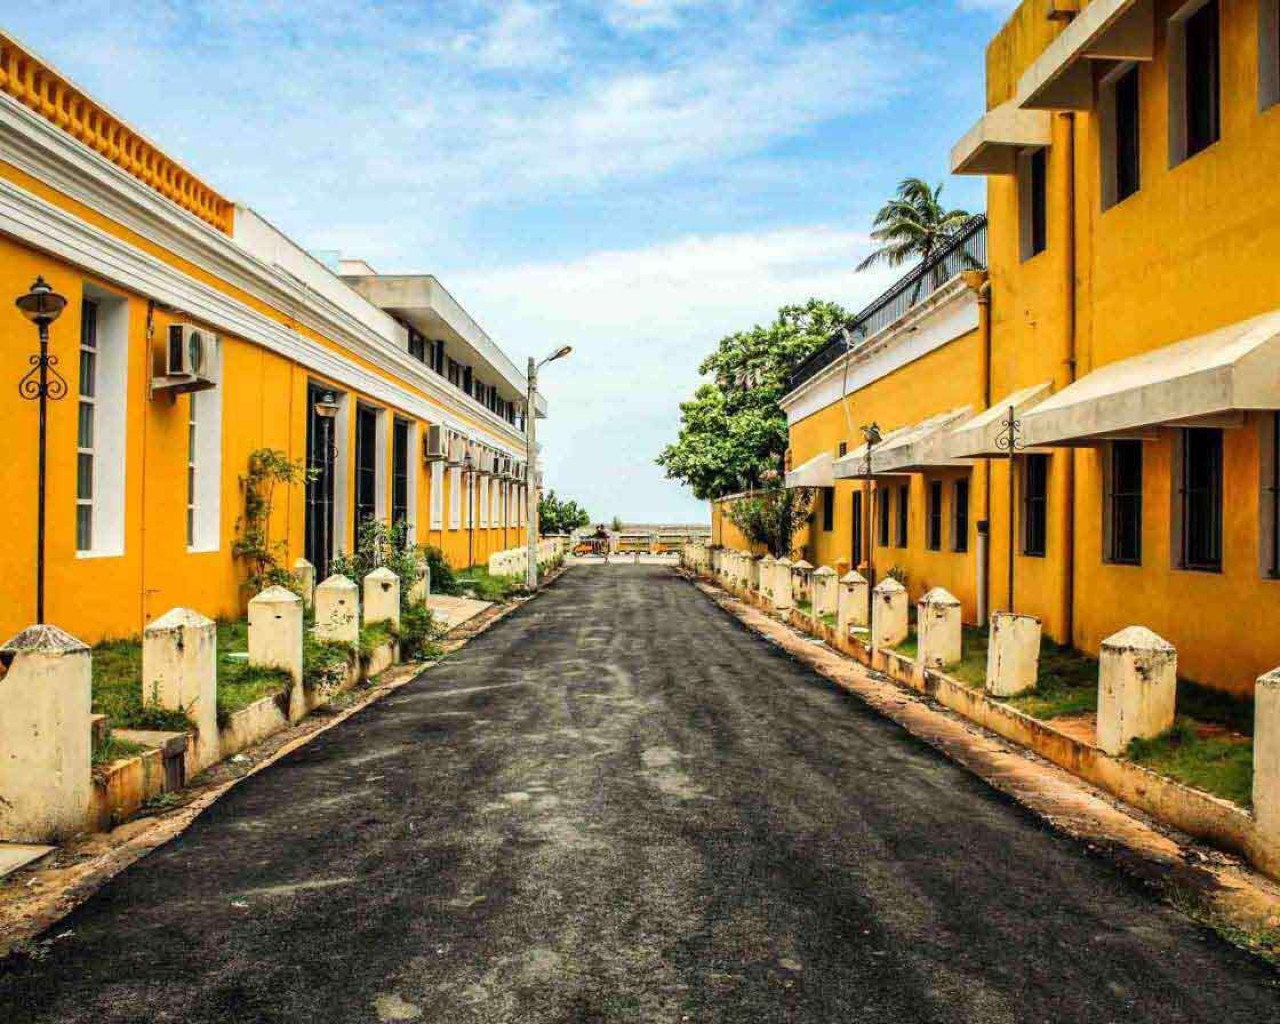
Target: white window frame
{"type": "Point", "coordinates": [437, 495]}
{"type": "Point", "coordinates": [110, 402]}
{"type": "Point", "coordinates": [206, 501]}
{"type": "Point", "coordinates": [455, 497]}
{"type": "Point", "coordinates": [484, 503]}
{"type": "Point", "coordinates": [1268, 54]}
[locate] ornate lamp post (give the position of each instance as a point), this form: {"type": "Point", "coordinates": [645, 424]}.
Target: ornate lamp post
{"type": "Point", "coordinates": [1010, 440]}
{"type": "Point", "coordinates": [870, 435]}
{"type": "Point", "coordinates": [42, 383]}
{"type": "Point", "coordinates": [468, 474]}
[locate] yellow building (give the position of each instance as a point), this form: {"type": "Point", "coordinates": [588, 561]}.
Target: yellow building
{"type": "Point", "coordinates": [196, 333]}
{"type": "Point", "coordinates": [1131, 325]}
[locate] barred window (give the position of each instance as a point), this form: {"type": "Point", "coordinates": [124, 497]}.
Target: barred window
{"type": "Point", "coordinates": [1124, 503]}
{"type": "Point", "coordinates": [933, 535]}
{"type": "Point", "coordinates": [1035, 505]}
{"type": "Point", "coordinates": [960, 516]}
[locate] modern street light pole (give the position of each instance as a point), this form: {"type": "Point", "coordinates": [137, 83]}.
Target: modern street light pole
{"type": "Point", "coordinates": [42, 306]}
{"type": "Point", "coordinates": [531, 468]}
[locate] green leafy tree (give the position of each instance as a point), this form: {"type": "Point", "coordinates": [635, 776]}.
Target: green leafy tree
{"type": "Point", "coordinates": [268, 469]}
{"type": "Point", "coordinates": [733, 432]}
{"type": "Point", "coordinates": [774, 516]}
{"type": "Point", "coordinates": [556, 516]}
{"type": "Point", "coordinates": [913, 226]}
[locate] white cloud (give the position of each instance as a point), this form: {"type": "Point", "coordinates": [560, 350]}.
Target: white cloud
{"type": "Point", "coordinates": [641, 321]}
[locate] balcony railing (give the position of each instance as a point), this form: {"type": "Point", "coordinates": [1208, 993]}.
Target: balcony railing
{"type": "Point", "coordinates": [967, 251]}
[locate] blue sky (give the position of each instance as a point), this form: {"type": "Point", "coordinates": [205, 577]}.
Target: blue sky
{"type": "Point", "coordinates": [633, 177]}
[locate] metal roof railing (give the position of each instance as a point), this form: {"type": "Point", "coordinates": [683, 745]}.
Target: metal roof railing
{"type": "Point", "coordinates": [966, 251]}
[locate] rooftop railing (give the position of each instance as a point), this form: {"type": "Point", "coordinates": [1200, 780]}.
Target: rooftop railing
{"type": "Point", "coordinates": [966, 251]}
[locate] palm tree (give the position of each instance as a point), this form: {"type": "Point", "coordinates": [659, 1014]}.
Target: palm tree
{"type": "Point", "coordinates": [912, 226]}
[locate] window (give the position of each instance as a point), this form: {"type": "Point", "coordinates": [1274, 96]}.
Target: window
{"type": "Point", "coordinates": [933, 533]}
{"type": "Point", "coordinates": [882, 512]}
{"type": "Point", "coordinates": [483, 484]}
{"type": "Point", "coordinates": [1033, 198]}
{"type": "Point", "coordinates": [960, 516]}
{"type": "Point", "coordinates": [1199, 518]}
{"type": "Point", "coordinates": [366, 497]}
{"type": "Point", "coordinates": [1121, 134]}
{"type": "Point", "coordinates": [400, 472]}
{"type": "Point", "coordinates": [455, 497]}
{"type": "Point", "coordinates": [857, 513]}
{"type": "Point", "coordinates": [417, 345]}
{"type": "Point", "coordinates": [455, 374]}
{"type": "Point", "coordinates": [101, 400]}
{"type": "Point", "coordinates": [904, 511]}
{"type": "Point", "coordinates": [842, 450]}
{"type": "Point", "coordinates": [1269, 492]}
{"type": "Point", "coordinates": [1268, 53]}
{"type": "Point", "coordinates": [1035, 505]}
{"type": "Point", "coordinates": [191, 470]}
{"type": "Point", "coordinates": [322, 465]}
{"type": "Point", "coordinates": [84, 434]}
{"type": "Point", "coordinates": [437, 495]}
{"type": "Point", "coordinates": [1123, 527]}
{"type": "Point", "coordinates": [828, 509]}
{"type": "Point", "coordinates": [1194, 80]}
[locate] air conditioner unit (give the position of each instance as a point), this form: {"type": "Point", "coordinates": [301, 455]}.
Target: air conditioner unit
{"type": "Point", "coordinates": [504, 467]}
{"type": "Point", "coordinates": [189, 351]}
{"type": "Point", "coordinates": [435, 444]}
{"type": "Point", "coordinates": [189, 355]}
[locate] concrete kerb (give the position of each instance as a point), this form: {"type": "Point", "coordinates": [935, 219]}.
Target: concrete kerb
{"type": "Point", "coordinates": [1196, 813]}
{"type": "Point", "coordinates": [69, 878]}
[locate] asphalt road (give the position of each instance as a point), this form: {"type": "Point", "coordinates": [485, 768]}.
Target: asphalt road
{"type": "Point", "coordinates": [618, 805]}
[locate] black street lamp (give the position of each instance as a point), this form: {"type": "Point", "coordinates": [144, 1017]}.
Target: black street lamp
{"type": "Point", "coordinates": [1010, 440]}
{"type": "Point", "coordinates": [468, 474]}
{"type": "Point", "coordinates": [871, 437]}
{"type": "Point", "coordinates": [43, 383]}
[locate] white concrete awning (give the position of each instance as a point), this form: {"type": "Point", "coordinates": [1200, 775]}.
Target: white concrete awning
{"type": "Point", "coordinates": [992, 145]}
{"type": "Point", "coordinates": [817, 472]}
{"type": "Point", "coordinates": [854, 465]}
{"type": "Point", "coordinates": [1211, 379]}
{"type": "Point", "coordinates": [1061, 78]}
{"type": "Point", "coordinates": [976, 437]}
{"type": "Point", "coordinates": [921, 446]}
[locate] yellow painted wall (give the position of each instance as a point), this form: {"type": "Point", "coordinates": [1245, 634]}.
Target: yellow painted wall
{"type": "Point", "coordinates": [264, 398]}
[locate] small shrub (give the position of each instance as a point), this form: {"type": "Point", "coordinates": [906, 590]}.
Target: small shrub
{"type": "Point", "coordinates": [419, 634]}
{"type": "Point", "coordinates": [443, 579]}
{"type": "Point", "coordinates": [325, 662]}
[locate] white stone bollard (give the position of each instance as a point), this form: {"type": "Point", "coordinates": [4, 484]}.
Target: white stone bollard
{"type": "Point", "coordinates": [1137, 688]}
{"type": "Point", "coordinates": [852, 607]}
{"type": "Point", "coordinates": [305, 573]}
{"type": "Point", "coordinates": [753, 573]}
{"type": "Point", "coordinates": [889, 618]}
{"type": "Point", "coordinates": [496, 567]}
{"type": "Point", "coordinates": [46, 753]}
{"type": "Point", "coordinates": [801, 581]}
{"type": "Point", "coordinates": [1013, 654]}
{"type": "Point", "coordinates": [939, 629]}
{"type": "Point", "coordinates": [180, 672]}
{"type": "Point", "coordinates": [421, 589]}
{"type": "Point", "coordinates": [382, 597]}
{"type": "Point", "coordinates": [1266, 756]}
{"type": "Point", "coordinates": [275, 639]}
{"type": "Point", "coordinates": [338, 610]}
{"type": "Point", "coordinates": [782, 599]}
{"type": "Point", "coordinates": [825, 589]}
{"type": "Point", "coordinates": [765, 573]}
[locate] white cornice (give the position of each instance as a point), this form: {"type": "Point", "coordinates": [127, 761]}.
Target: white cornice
{"type": "Point", "coordinates": [950, 312]}
{"type": "Point", "coordinates": [39, 148]}
{"type": "Point", "coordinates": [41, 225]}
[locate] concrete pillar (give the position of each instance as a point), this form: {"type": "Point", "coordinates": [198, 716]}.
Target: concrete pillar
{"type": "Point", "coordinates": [825, 588]}
{"type": "Point", "coordinates": [801, 581]}
{"type": "Point", "coordinates": [851, 609]}
{"type": "Point", "coordinates": [782, 599]}
{"type": "Point", "coordinates": [1137, 688]}
{"type": "Point", "coordinates": [305, 573]}
{"type": "Point", "coordinates": [382, 597]}
{"type": "Point", "coordinates": [1266, 755]}
{"type": "Point", "coordinates": [275, 639]}
{"type": "Point", "coordinates": [180, 672]}
{"type": "Point", "coordinates": [421, 589]}
{"type": "Point", "coordinates": [766, 571]}
{"type": "Point", "coordinates": [889, 619]}
{"type": "Point", "coordinates": [939, 630]}
{"type": "Point", "coordinates": [338, 610]}
{"type": "Point", "coordinates": [46, 756]}
{"type": "Point", "coordinates": [1013, 654]}
{"type": "Point", "coordinates": [753, 573]}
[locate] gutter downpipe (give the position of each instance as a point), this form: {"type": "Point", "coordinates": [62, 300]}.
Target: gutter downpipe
{"type": "Point", "coordinates": [1069, 524]}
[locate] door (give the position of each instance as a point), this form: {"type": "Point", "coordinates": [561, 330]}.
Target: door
{"type": "Point", "coordinates": [857, 530]}
{"type": "Point", "coordinates": [366, 466]}
{"type": "Point", "coordinates": [321, 456]}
